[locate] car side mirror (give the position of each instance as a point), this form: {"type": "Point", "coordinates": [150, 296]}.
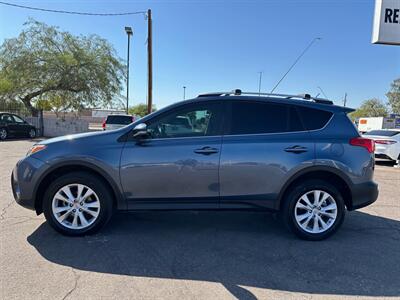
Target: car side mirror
{"type": "Point", "coordinates": [140, 131]}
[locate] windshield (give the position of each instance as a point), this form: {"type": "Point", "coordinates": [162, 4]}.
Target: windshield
{"type": "Point", "coordinates": [123, 120]}
{"type": "Point", "coordinates": [383, 132]}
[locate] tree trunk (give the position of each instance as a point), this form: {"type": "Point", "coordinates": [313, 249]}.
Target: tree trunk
{"type": "Point", "coordinates": [27, 102]}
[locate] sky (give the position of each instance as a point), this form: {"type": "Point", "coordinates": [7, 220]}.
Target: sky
{"type": "Point", "coordinates": [211, 46]}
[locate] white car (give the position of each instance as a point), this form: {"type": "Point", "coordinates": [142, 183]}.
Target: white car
{"type": "Point", "coordinates": [117, 121]}
{"type": "Point", "coordinates": [387, 143]}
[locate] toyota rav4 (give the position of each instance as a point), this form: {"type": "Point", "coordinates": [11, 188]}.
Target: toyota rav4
{"type": "Point", "coordinates": [296, 155]}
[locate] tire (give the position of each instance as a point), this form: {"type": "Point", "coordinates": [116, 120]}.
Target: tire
{"type": "Point", "coordinates": [3, 134]}
{"type": "Point", "coordinates": [32, 133]}
{"type": "Point", "coordinates": [300, 217]}
{"type": "Point", "coordinates": [92, 211]}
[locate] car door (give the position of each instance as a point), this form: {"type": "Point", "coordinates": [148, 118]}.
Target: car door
{"type": "Point", "coordinates": [177, 165]}
{"type": "Point", "coordinates": [21, 127]}
{"type": "Point", "coordinates": [264, 144]}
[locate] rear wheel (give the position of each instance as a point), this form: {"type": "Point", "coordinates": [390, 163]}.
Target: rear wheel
{"type": "Point", "coordinates": [3, 134]}
{"type": "Point", "coordinates": [77, 203]}
{"type": "Point", "coordinates": [314, 210]}
{"type": "Point", "coordinates": [32, 133]}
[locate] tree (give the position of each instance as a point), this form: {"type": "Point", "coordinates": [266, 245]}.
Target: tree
{"type": "Point", "coordinates": [370, 108]}
{"type": "Point", "coordinates": [46, 63]}
{"type": "Point", "coordinates": [394, 96]}
{"type": "Point", "coordinates": [140, 110]}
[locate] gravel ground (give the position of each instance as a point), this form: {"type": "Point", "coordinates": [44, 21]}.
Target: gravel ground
{"type": "Point", "coordinates": [198, 255]}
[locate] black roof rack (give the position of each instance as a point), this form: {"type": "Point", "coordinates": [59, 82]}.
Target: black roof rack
{"type": "Point", "coordinates": [238, 92]}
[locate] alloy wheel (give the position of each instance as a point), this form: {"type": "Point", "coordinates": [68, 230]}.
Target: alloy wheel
{"type": "Point", "coordinates": [75, 206]}
{"type": "Point", "coordinates": [315, 211]}
{"type": "Point", "coordinates": [32, 133]}
{"type": "Point", "coordinates": [3, 134]}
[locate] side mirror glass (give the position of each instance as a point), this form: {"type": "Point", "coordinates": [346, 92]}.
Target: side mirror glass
{"type": "Point", "coordinates": [140, 131]}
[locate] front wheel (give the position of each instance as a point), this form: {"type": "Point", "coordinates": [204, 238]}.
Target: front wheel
{"type": "Point", "coordinates": [314, 210]}
{"type": "Point", "coordinates": [77, 203]}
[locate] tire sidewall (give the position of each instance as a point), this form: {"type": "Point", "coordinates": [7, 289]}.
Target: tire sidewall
{"type": "Point", "coordinates": [29, 133]}
{"type": "Point", "coordinates": [1, 138]}
{"type": "Point", "coordinates": [296, 193]}
{"type": "Point", "coordinates": [90, 180]}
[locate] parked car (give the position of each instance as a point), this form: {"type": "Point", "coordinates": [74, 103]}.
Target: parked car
{"type": "Point", "coordinates": [387, 143]}
{"type": "Point", "coordinates": [113, 122]}
{"type": "Point", "coordinates": [296, 155]}
{"type": "Point", "coordinates": [12, 125]}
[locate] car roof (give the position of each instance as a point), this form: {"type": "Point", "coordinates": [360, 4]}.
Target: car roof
{"type": "Point", "coordinates": [271, 99]}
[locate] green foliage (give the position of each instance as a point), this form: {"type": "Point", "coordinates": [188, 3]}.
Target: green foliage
{"type": "Point", "coordinates": [394, 96]}
{"type": "Point", "coordinates": [46, 63]}
{"type": "Point", "coordinates": [140, 110]}
{"type": "Point", "coordinates": [370, 108]}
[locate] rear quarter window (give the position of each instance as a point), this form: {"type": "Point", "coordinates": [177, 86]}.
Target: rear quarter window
{"type": "Point", "coordinates": [313, 118]}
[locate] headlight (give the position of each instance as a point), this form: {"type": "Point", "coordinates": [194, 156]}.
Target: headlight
{"type": "Point", "coordinates": [36, 148]}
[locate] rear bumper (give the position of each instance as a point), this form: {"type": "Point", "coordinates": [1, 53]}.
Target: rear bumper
{"type": "Point", "coordinates": [363, 195]}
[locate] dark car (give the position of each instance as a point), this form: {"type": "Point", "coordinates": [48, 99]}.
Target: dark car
{"type": "Point", "coordinates": [12, 125]}
{"type": "Point", "coordinates": [296, 155]}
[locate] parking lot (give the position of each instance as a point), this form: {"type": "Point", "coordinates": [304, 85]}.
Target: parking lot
{"type": "Point", "coordinates": [199, 255]}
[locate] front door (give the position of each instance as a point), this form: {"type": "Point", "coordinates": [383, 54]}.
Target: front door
{"type": "Point", "coordinates": [21, 127]}
{"type": "Point", "coordinates": [177, 165]}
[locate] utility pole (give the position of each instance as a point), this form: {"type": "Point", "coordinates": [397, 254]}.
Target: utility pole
{"type": "Point", "coordinates": [184, 92]}
{"type": "Point", "coordinates": [149, 63]}
{"type": "Point", "coordinates": [129, 32]}
{"type": "Point", "coordinates": [259, 83]}
{"type": "Point", "coordinates": [345, 99]}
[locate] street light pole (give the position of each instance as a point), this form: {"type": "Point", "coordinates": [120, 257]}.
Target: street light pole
{"type": "Point", "coordinates": [129, 32]}
{"type": "Point", "coordinates": [184, 92]}
{"type": "Point", "coordinates": [296, 61]}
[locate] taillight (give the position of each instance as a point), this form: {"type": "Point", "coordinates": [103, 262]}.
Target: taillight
{"type": "Point", "coordinates": [103, 124]}
{"type": "Point", "coordinates": [363, 142]}
{"type": "Point", "coordinates": [385, 142]}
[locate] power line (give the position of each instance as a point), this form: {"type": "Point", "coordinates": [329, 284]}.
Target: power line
{"type": "Point", "coordinates": [73, 12]}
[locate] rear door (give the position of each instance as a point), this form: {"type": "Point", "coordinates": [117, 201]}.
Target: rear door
{"type": "Point", "coordinates": [264, 144]}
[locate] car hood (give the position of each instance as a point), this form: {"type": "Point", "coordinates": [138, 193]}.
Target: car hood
{"type": "Point", "coordinates": [378, 137]}
{"type": "Point", "coordinates": [79, 136]}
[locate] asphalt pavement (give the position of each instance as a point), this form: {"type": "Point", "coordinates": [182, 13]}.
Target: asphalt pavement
{"type": "Point", "coordinates": [199, 255]}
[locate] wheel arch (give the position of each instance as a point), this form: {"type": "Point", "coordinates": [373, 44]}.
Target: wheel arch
{"type": "Point", "coordinates": [331, 175]}
{"type": "Point", "coordinates": [73, 166]}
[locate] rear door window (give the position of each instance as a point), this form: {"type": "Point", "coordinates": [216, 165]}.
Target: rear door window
{"type": "Point", "coordinates": [251, 117]}
{"type": "Point", "coordinates": [122, 120]}
{"type": "Point", "coordinates": [314, 118]}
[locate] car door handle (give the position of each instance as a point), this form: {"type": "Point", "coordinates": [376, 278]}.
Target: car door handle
{"type": "Point", "coordinates": [296, 149]}
{"type": "Point", "coordinates": [206, 150]}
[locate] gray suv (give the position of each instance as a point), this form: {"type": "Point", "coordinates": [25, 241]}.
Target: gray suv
{"type": "Point", "coordinates": [297, 155]}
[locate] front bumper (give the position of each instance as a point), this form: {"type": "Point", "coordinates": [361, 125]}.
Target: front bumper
{"type": "Point", "coordinates": [363, 195]}
{"type": "Point", "coordinates": [24, 181]}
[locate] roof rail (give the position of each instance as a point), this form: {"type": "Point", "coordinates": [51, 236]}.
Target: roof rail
{"type": "Point", "coordinates": [238, 92]}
